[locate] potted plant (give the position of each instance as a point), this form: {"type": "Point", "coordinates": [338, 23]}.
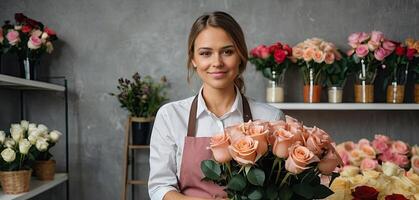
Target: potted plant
{"type": "Point", "coordinates": [273, 62]}
{"type": "Point", "coordinates": [15, 161]}
{"type": "Point", "coordinates": [29, 39]}
{"type": "Point", "coordinates": [314, 56]}
{"type": "Point", "coordinates": [413, 52]}
{"type": "Point", "coordinates": [368, 51]}
{"type": "Point", "coordinates": [142, 97]}
{"type": "Point", "coordinates": [43, 140]}
{"type": "Point", "coordinates": [336, 76]}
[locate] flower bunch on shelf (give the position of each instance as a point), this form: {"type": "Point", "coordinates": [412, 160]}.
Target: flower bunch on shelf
{"type": "Point", "coordinates": [368, 51]}
{"type": "Point", "coordinates": [389, 167]}
{"type": "Point", "coordinates": [28, 38]}
{"type": "Point", "coordinates": [271, 60]}
{"type": "Point", "coordinates": [271, 160]}
{"type": "Point", "coordinates": [314, 56]}
{"type": "Point", "coordinates": [412, 53]}
{"type": "Point", "coordinates": [25, 143]}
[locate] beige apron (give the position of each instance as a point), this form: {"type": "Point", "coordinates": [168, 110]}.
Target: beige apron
{"type": "Point", "coordinates": [194, 151]}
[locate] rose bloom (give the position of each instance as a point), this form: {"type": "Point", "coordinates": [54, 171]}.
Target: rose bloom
{"type": "Point", "coordinates": [308, 54]}
{"type": "Point", "coordinates": [298, 159]}
{"type": "Point", "coordinates": [395, 197]}
{"type": "Point", "coordinates": [363, 142]}
{"type": "Point", "coordinates": [368, 151]}
{"type": "Point", "coordinates": [280, 55]}
{"type": "Point", "coordinates": [329, 58]}
{"type": "Point", "coordinates": [34, 42]}
{"type": "Point", "coordinates": [368, 163]}
{"type": "Point", "coordinates": [264, 52]}
{"type": "Point", "coordinates": [297, 52]}
{"type": "Point", "coordinates": [387, 45]}
{"type": "Point", "coordinates": [317, 140]}
{"type": "Point", "coordinates": [399, 147]}
{"type": "Point", "coordinates": [411, 53]}
{"type": "Point", "coordinates": [362, 50]}
{"type": "Point", "coordinates": [415, 150]}
{"type": "Point", "coordinates": [219, 147]}
{"type": "Point", "coordinates": [381, 143]}
{"type": "Point", "coordinates": [13, 37]}
{"type": "Point", "coordinates": [365, 193]}
{"type": "Point", "coordinates": [386, 156]}
{"type": "Point", "coordinates": [318, 56]}
{"type": "Point", "coordinates": [355, 157]}
{"type": "Point", "coordinates": [400, 160]}
{"type": "Point", "coordinates": [260, 133]}
{"type": "Point", "coordinates": [244, 151]}
{"type": "Point", "coordinates": [391, 169]}
{"type": "Point", "coordinates": [328, 163]}
{"type": "Point", "coordinates": [26, 29]}
{"type": "Point", "coordinates": [415, 163]}
{"type": "Point", "coordinates": [372, 46]}
{"type": "Point", "coordinates": [344, 155]}
{"type": "Point", "coordinates": [349, 171]}
{"type": "Point", "coordinates": [377, 37]}
{"type": "Point", "coordinates": [283, 140]}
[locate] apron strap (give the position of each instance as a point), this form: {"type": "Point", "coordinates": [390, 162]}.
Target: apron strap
{"type": "Point", "coordinates": [247, 114]}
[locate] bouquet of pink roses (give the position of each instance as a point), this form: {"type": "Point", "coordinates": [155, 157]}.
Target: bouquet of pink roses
{"type": "Point", "coordinates": [271, 160]}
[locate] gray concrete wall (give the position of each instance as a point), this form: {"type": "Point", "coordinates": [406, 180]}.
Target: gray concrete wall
{"type": "Point", "coordinates": [102, 40]}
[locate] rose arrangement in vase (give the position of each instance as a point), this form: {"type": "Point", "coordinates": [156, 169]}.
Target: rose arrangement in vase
{"type": "Point", "coordinates": [29, 39]}
{"type": "Point", "coordinates": [142, 97]}
{"type": "Point", "coordinates": [271, 160]}
{"type": "Point", "coordinates": [413, 49]}
{"type": "Point", "coordinates": [273, 62]}
{"type": "Point", "coordinates": [314, 56]}
{"type": "Point", "coordinates": [368, 51]}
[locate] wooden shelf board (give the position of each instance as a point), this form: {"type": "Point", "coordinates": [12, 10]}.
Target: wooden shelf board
{"type": "Point", "coordinates": [139, 146]}
{"type": "Point", "coordinates": [346, 106]}
{"type": "Point", "coordinates": [137, 182]}
{"type": "Point", "coordinates": [24, 84]}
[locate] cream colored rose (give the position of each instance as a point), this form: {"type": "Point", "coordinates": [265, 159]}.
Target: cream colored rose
{"type": "Point", "coordinates": [9, 143]}
{"type": "Point", "coordinates": [308, 54]}
{"type": "Point", "coordinates": [42, 128]}
{"type": "Point", "coordinates": [355, 157]}
{"type": "Point", "coordinates": [41, 144]}
{"type": "Point", "coordinates": [219, 147]}
{"type": "Point", "coordinates": [8, 155]}
{"type": "Point", "coordinates": [24, 146]}
{"type": "Point", "coordinates": [54, 136]}
{"type": "Point", "coordinates": [283, 140]}
{"type": "Point", "coordinates": [244, 150]}
{"type": "Point", "coordinates": [368, 151]}
{"type": "Point", "coordinates": [357, 180]}
{"type": "Point", "coordinates": [298, 159]}
{"type": "Point", "coordinates": [297, 52]}
{"type": "Point", "coordinates": [24, 124]}
{"type": "Point", "coordinates": [349, 171]}
{"type": "Point", "coordinates": [415, 163]}
{"type": "Point", "coordinates": [415, 150]}
{"type": "Point", "coordinates": [341, 188]}
{"type": "Point", "coordinates": [44, 35]}
{"type": "Point", "coordinates": [2, 137]}
{"type": "Point", "coordinates": [414, 177]}
{"type": "Point", "coordinates": [16, 131]}
{"type": "Point", "coordinates": [371, 174]}
{"type": "Point", "coordinates": [391, 169]}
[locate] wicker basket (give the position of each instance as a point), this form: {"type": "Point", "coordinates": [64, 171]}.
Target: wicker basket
{"type": "Point", "coordinates": [15, 182]}
{"type": "Point", "coordinates": [44, 170]}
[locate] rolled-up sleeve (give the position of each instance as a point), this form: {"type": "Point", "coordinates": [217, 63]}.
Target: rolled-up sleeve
{"type": "Point", "coordinates": [162, 177]}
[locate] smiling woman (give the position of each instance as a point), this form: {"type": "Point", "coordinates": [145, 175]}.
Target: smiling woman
{"type": "Point", "coordinates": [217, 52]}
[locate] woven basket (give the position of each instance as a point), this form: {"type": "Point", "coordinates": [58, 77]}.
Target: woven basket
{"type": "Point", "coordinates": [44, 170]}
{"type": "Point", "coordinates": [15, 182]}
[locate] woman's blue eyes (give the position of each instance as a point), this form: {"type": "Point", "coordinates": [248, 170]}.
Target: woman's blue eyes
{"type": "Point", "coordinates": [225, 52]}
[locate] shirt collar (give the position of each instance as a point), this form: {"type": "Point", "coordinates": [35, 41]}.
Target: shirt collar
{"type": "Point", "coordinates": [237, 105]}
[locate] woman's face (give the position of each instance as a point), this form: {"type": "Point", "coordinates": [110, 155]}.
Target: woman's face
{"type": "Point", "coordinates": [215, 58]}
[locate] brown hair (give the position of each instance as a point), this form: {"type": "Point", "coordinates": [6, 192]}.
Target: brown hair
{"type": "Point", "coordinates": [226, 22]}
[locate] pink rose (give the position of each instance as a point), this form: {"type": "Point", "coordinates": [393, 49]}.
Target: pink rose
{"type": "Point", "coordinates": [372, 46]}
{"type": "Point", "coordinates": [283, 140]}
{"type": "Point", "coordinates": [362, 50]}
{"type": "Point", "coordinates": [345, 156]}
{"type": "Point", "coordinates": [318, 56]}
{"type": "Point", "coordinates": [317, 141]}
{"type": "Point", "coordinates": [381, 143]}
{"type": "Point", "coordinates": [299, 157]}
{"type": "Point", "coordinates": [244, 150]}
{"type": "Point", "coordinates": [380, 54]}
{"type": "Point", "coordinates": [400, 160]}
{"type": "Point", "coordinates": [363, 142]}
{"type": "Point", "coordinates": [255, 52]}
{"type": "Point", "coordinates": [377, 37]}
{"type": "Point", "coordinates": [297, 52]}
{"type": "Point", "coordinates": [350, 52]}
{"type": "Point", "coordinates": [328, 163]}
{"type": "Point", "coordinates": [386, 156]}
{"type": "Point", "coordinates": [353, 39]}
{"type": "Point", "coordinates": [399, 147]}
{"type": "Point", "coordinates": [415, 164]}
{"type": "Point", "coordinates": [390, 46]}
{"type": "Point", "coordinates": [13, 37]}
{"type": "Point", "coordinates": [368, 163]}
{"type": "Point", "coordinates": [329, 58]}
{"type": "Point", "coordinates": [308, 54]}
{"type": "Point", "coordinates": [36, 33]}
{"type": "Point", "coordinates": [264, 52]}
{"type": "Point", "coordinates": [349, 145]}
{"type": "Point", "coordinates": [34, 42]}
{"type": "Point", "coordinates": [363, 37]}
{"type": "Point", "coordinates": [219, 147]}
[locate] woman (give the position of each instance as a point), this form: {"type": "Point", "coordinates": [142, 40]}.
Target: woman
{"type": "Point", "coordinates": [217, 52]}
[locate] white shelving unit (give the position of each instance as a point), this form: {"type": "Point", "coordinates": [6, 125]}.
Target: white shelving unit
{"type": "Point", "coordinates": [36, 187]}
{"type": "Point", "coordinates": [345, 106]}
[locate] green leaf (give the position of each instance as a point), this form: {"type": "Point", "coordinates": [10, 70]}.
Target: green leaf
{"type": "Point", "coordinates": [285, 193]}
{"type": "Point", "coordinates": [305, 190]}
{"type": "Point", "coordinates": [272, 192]}
{"type": "Point", "coordinates": [237, 183]}
{"type": "Point", "coordinates": [256, 176]}
{"type": "Point", "coordinates": [255, 194]}
{"type": "Point", "coordinates": [321, 192]}
{"type": "Point", "coordinates": [211, 169]}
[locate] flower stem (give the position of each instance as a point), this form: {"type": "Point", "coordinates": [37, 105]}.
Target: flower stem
{"type": "Point", "coordinates": [285, 179]}
{"type": "Point", "coordinates": [279, 172]}
{"type": "Point", "coordinates": [273, 166]}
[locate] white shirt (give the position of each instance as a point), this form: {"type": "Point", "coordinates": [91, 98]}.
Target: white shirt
{"type": "Point", "coordinates": [170, 128]}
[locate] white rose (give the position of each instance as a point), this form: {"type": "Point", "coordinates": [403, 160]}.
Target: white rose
{"type": "Point", "coordinates": [42, 128]}
{"type": "Point", "coordinates": [32, 125]}
{"type": "Point", "coordinates": [41, 144]}
{"type": "Point", "coordinates": [17, 132]}
{"type": "Point", "coordinates": [44, 35]}
{"type": "Point", "coordinates": [24, 124]}
{"type": "Point", "coordinates": [8, 155]}
{"type": "Point", "coordinates": [54, 136]}
{"type": "Point", "coordinates": [24, 146]}
{"type": "Point", "coordinates": [391, 169]}
{"type": "Point", "coordinates": [349, 171]}
{"type": "Point", "coordinates": [2, 137]}
{"type": "Point", "coordinates": [9, 143]}
{"type": "Point", "coordinates": [18, 27]}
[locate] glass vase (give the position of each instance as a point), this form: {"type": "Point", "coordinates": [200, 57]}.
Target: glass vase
{"type": "Point", "coordinates": [364, 84]}
{"type": "Point", "coordinates": [395, 89]}
{"type": "Point", "coordinates": [417, 93]}
{"type": "Point", "coordinates": [311, 90]}
{"type": "Point", "coordinates": [275, 88]}
{"type": "Point", "coordinates": [28, 68]}
{"type": "Point", "coordinates": [335, 94]}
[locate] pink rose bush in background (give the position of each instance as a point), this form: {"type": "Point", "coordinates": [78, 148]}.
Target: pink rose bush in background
{"type": "Point", "coordinates": [272, 160]}
{"type": "Point", "coordinates": [389, 166]}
